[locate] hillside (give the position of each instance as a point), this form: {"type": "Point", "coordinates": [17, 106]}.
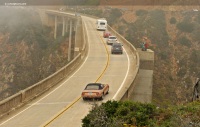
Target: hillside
{"type": "Point", "coordinates": [113, 2]}
{"type": "Point", "coordinates": [173, 37]}
{"type": "Point", "coordinates": [28, 52]}
{"type": "Point", "coordinates": [173, 33]}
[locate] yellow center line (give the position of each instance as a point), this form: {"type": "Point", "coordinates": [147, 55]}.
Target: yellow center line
{"type": "Point", "coordinates": [61, 112]}
{"type": "Point", "coordinates": [77, 99]}
{"type": "Point", "coordinates": [108, 60]}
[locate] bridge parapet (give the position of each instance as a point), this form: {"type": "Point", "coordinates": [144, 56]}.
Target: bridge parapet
{"type": "Point", "coordinates": [144, 61]}
{"type": "Point", "coordinates": [26, 95]}
{"type": "Point", "coordinates": [140, 88]}
{"type": "Point", "coordinates": [126, 91]}
{"type": "Point", "coordinates": [37, 89]}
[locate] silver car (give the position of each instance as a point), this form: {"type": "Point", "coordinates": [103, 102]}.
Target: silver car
{"type": "Point", "coordinates": [111, 40]}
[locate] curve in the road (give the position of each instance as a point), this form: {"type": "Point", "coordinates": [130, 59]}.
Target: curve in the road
{"type": "Point", "coordinates": [76, 100]}
{"type": "Point", "coordinates": [113, 70]}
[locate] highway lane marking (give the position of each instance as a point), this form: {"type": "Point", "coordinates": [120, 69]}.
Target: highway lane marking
{"type": "Point", "coordinates": [107, 63]}
{"type": "Point", "coordinates": [48, 93]}
{"type": "Point", "coordinates": [52, 103]}
{"type": "Point", "coordinates": [61, 112]}
{"type": "Point", "coordinates": [114, 97]}
{"type": "Point", "coordinates": [76, 100]}
{"type": "Point", "coordinates": [108, 58]}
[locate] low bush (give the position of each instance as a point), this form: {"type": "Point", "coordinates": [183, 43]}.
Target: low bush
{"type": "Point", "coordinates": [117, 114]}
{"type": "Point", "coordinates": [173, 20]}
{"type": "Point", "coordinates": [185, 41]}
{"type": "Point", "coordinates": [113, 112]}
{"type": "Point", "coordinates": [185, 26]}
{"type": "Point", "coordinates": [141, 12]}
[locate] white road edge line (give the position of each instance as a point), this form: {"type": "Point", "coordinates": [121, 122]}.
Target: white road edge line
{"type": "Point", "coordinates": [51, 91]}
{"type": "Point", "coordinates": [114, 98]}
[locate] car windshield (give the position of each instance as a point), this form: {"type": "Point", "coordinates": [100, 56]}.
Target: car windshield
{"type": "Point", "coordinates": [92, 87]}
{"type": "Point", "coordinates": [112, 37]}
{"type": "Point", "coordinates": [117, 46]}
{"type": "Point", "coordinates": [102, 23]}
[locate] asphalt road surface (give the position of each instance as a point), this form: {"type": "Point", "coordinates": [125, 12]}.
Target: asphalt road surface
{"type": "Point", "coordinates": [62, 106]}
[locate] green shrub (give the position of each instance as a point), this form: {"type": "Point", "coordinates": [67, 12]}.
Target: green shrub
{"type": "Point", "coordinates": [94, 12]}
{"type": "Point", "coordinates": [173, 20]}
{"type": "Point", "coordinates": [197, 19]}
{"type": "Point", "coordinates": [110, 107]}
{"type": "Point", "coordinates": [91, 2]}
{"type": "Point", "coordinates": [141, 12]}
{"type": "Point", "coordinates": [114, 15]}
{"type": "Point", "coordinates": [124, 112]}
{"type": "Point", "coordinates": [140, 114]}
{"type": "Point", "coordinates": [185, 41]}
{"type": "Point", "coordinates": [163, 55]}
{"type": "Point", "coordinates": [121, 29]}
{"type": "Point", "coordinates": [195, 56]}
{"type": "Point", "coordinates": [185, 27]}
{"type": "Point", "coordinates": [182, 72]}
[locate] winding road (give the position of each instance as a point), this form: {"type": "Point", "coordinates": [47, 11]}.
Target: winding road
{"type": "Point", "coordinates": [63, 106]}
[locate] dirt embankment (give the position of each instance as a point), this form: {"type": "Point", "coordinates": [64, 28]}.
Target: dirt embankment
{"type": "Point", "coordinates": [173, 32]}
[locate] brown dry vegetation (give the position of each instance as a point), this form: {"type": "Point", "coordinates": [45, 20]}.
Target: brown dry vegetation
{"type": "Point", "coordinates": [173, 32]}
{"type": "Point", "coordinates": [28, 52]}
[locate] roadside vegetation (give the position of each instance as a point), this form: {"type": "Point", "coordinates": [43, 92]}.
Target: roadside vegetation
{"type": "Point", "coordinates": [123, 113]}
{"type": "Point", "coordinates": [174, 38]}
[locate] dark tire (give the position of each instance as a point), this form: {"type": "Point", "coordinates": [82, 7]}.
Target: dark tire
{"type": "Point", "coordinates": [101, 98]}
{"type": "Point", "coordinates": [84, 98]}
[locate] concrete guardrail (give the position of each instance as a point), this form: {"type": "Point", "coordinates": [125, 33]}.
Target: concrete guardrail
{"type": "Point", "coordinates": [39, 88]}
{"type": "Point", "coordinates": [127, 89]}
{"type": "Point", "coordinates": [24, 96]}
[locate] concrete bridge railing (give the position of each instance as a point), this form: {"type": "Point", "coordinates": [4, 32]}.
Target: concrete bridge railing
{"type": "Point", "coordinates": [128, 89]}
{"type": "Point", "coordinates": [39, 88]}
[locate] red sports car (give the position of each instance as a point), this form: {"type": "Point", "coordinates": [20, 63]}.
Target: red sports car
{"type": "Point", "coordinates": [106, 34]}
{"type": "Point", "coordinates": [95, 91]}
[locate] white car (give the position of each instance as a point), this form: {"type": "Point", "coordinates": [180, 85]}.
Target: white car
{"type": "Point", "coordinates": [111, 40]}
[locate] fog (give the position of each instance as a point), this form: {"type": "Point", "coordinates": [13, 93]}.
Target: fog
{"type": "Point", "coordinates": [12, 18]}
